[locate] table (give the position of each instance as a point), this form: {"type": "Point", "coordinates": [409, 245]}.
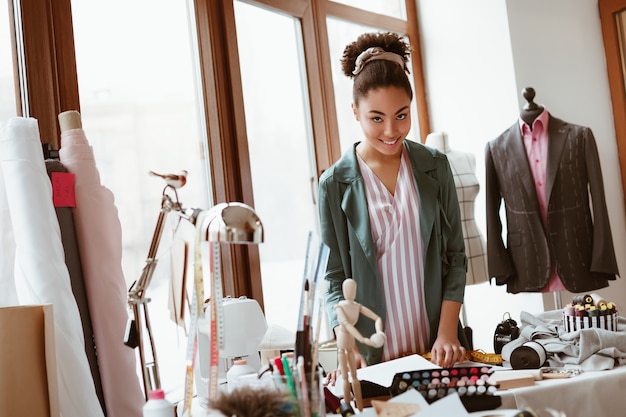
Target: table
{"type": "Point", "coordinates": [592, 393]}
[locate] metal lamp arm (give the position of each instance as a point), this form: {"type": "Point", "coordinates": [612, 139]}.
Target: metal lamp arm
{"type": "Point", "coordinates": [138, 302]}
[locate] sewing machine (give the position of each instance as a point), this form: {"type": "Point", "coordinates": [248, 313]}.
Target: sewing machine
{"type": "Point", "coordinates": [244, 329]}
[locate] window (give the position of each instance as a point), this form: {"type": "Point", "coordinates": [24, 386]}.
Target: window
{"type": "Point", "coordinates": [139, 109]}
{"type": "Point", "coordinates": [280, 143]}
{"type": "Point", "coordinates": [612, 16]}
{"type": "Point", "coordinates": [169, 88]}
{"type": "Point", "coordinates": [393, 8]}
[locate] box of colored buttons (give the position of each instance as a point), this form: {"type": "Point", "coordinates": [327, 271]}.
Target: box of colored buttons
{"type": "Point", "coordinates": [471, 383]}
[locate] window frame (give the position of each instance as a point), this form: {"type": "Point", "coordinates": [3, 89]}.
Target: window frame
{"type": "Point", "coordinates": [610, 34]}
{"type": "Point", "coordinates": [47, 85]}
{"type": "Point", "coordinates": [44, 57]}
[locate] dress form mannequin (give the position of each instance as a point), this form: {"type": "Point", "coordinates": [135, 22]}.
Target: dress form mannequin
{"type": "Point", "coordinates": [549, 183]}
{"type": "Point", "coordinates": [531, 110]}
{"type": "Point", "coordinates": [348, 312]}
{"type": "Point", "coordinates": [463, 168]}
{"type": "Point", "coordinates": [529, 113]}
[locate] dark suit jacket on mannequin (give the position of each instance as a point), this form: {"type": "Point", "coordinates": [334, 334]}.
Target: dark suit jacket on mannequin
{"type": "Point", "coordinates": [580, 244]}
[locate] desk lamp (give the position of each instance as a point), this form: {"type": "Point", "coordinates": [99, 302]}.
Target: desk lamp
{"type": "Point", "coordinates": [233, 223]}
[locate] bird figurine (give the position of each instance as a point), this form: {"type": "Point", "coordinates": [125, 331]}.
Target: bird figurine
{"type": "Point", "coordinates": [173, 180]}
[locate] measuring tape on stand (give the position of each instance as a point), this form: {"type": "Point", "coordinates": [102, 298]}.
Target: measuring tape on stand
{"type": "Point", "coordinates": [216, 316]}
{"type": "Point", "coordinates": [197, 301]}
{"type": "Point", "coordinates": [217, 319]}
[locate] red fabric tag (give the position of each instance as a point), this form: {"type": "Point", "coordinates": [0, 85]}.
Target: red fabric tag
{"type": "Point", "coordinates": [63, 189]}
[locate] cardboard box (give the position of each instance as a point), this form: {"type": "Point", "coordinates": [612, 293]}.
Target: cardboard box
{"type": "Point", "coordinates": [514, 378]}
{"type": "Point", "coordinates": [28, 374]}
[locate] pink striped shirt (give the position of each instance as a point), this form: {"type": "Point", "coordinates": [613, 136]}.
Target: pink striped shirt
{"type": "Point", "coordinates": [536, 144]}
{"type": "Point", "coordinates": [395, 224]}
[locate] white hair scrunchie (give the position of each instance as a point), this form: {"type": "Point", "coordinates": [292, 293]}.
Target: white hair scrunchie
{"type": "Point", "coordinates": [374, 53]}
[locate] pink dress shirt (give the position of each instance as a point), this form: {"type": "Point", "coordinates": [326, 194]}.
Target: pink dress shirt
{"type": "Point", "coordinates": [536, 144]}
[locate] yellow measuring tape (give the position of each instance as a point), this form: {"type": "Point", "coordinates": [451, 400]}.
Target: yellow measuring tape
{"type": "Point", "coordinates": [476, 356]}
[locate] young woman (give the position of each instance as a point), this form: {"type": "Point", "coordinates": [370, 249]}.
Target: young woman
{"type": "Point", "coordinates": [390, 216]}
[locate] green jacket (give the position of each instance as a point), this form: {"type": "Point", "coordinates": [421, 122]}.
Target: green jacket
{"type": "Point", "coordinates": [345, 228]}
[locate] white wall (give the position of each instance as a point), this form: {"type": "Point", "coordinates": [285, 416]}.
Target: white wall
{"type": "Point", "coordinates": [558, 49]}
{"type": "Point", "coordinates": [478, 57]}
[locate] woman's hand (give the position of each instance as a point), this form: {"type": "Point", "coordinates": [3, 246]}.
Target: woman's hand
{"type": "Point", "coordinates": [331, 377]}
{"type": "Point", "coordinates": [376, 340]}
{"type": "Point", "coordinates": [447, 351]}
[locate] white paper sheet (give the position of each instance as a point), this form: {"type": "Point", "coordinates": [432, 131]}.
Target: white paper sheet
{"type": "Point", "coordinates": [450, 405]}
{"type": "Point", "coordinates": [383, 373]}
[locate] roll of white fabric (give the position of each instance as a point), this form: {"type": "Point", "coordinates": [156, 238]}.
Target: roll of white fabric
{"type": "Point", "coordinates": [99, 236]}
{"type": "Point", "coordinates": [8, 294]}
{"type": "Point", "coordinates": [41, 276]}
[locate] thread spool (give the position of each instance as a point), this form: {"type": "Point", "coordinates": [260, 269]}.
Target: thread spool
{"type": "Point", "coordinates": [583, 299]}
{"type": "Point", "coordinates": [598, 301]}
{"type": "Point", "coordinates": [239, 369]}
{"type": "Point", "coordinates": [531, 355]}
{"type": "Point", "coordinates": [579, 311]}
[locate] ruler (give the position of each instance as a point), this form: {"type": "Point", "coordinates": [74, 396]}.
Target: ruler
{"type": "Point", "coordinates": [215, 311]}
{"type": "Point", "coordinates": [197, 302]}
{"type": "Point", "coordinates": [216, 319]}
{"type": "Point", "coordinates": [216, 314]}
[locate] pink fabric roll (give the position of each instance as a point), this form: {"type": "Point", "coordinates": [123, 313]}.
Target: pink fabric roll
{"type": "Point", "coordinates": [99, 236]}
{"type": "Point", "coordinates": [41, 276]}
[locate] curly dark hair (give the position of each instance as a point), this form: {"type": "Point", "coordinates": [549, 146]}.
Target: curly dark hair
{"type": "Point", "coordinates": [379, 73]}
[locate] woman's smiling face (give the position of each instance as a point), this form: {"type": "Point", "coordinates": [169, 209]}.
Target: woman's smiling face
{"type": "Point", "coordinates": [385, 117]}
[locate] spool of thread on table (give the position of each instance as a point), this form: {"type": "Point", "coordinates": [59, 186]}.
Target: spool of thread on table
{"type": "Point", "coordinates": [598, 301]}
{"type": "Point", "coordinates": [239, 369]}
{"type": "Point", "coordinates": [583, 299]}
{"type": "Point", "coordinates": [531, 355]}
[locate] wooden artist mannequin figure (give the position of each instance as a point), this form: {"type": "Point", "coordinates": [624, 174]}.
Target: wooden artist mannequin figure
{"type": "Point", "coordinates": [348, 312]}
